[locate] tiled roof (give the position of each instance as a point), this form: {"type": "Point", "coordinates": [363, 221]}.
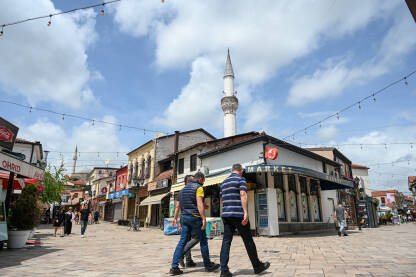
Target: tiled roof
{"type": "Point", "coordinates": [383, 192]}
{"type": "Point", "coordinates": [164, 175]}
{"type": "Point", "coordinates": [357, 166]}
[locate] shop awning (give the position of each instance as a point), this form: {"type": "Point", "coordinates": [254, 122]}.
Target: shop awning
{"type": "Point", "coordinates": [18, 183]}
{"type": "Point", "coordinates": [328, 182]}
{"type": "Point", "coordinates": [210, 181]}
{"type": "Point", "coordinates": [177, 187]}
{"type": "Point", "coordinates": [155, 199]}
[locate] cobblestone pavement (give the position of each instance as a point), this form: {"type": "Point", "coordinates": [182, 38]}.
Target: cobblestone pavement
{"type": "Point", "coordinates": [111, 250]}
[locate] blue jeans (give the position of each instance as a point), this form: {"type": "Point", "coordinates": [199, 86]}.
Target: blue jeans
{"type": "Point", "coordinates": [84, 224]}
{"type": "Point", "coordinates": [342, 227]}
{"type": "Point", "coordinates": [191, 224]}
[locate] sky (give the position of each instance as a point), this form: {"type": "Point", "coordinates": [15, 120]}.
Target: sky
{"type": "Point", "coordinates": [160, 67]}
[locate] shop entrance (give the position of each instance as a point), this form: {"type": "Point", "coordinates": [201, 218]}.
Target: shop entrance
{"type": "Point", "coordinates": [155, 215]}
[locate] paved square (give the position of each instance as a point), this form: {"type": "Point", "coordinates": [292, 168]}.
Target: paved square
{"type": "Point", "coordinates": [111, 250]}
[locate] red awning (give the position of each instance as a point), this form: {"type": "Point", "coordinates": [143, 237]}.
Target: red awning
{"type": "Point", "coordinates": [16, 184]}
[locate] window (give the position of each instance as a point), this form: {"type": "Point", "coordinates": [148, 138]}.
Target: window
{"type": "Point", "coordinates": [193, 162]}
{"type": "Point", "coordinates": [383, 200]}
{"type": "Point", "coordinates": [180, 166]}
{"type": "Point", "coordinates": [149, 165]}
{"type": "Point", "coordinates": [293, 198]}
{"type": "Point", "coordinates": [324, 167]}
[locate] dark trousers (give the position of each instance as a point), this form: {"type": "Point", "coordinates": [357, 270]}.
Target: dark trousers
{"type": "Point", "coordinates": [84, 224]}
{"type": "Point", "coordinates": [230, 224]}
{"type": "Point", "coordinates": [192, 241]}
{"type": "Point", "coordinates": [67, 227]}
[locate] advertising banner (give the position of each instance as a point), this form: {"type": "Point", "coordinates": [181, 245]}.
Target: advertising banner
{"type": "Point", "coordinates": [390, 198]}
{"type": "Point", "coordinates": [8, 133]}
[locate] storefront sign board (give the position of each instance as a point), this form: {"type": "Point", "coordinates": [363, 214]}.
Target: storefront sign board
{"type": "Point", "coordinates": [8, 133]}
{"type": "Point", "coordinates": [19, 167]}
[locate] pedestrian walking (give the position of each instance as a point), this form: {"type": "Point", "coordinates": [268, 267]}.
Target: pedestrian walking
{"type": "Point", "coordinates": [58, 219]}
{"type": "Point", "coordinates": [96, 216]}
{"type": "Point", "coordinates": [340, 218]}
{"type": "Point", "coordinates": [75, 216]}
{"type": "Point", "coordinates": [192, 238]}
{"type": "Point", "coordinates": [235, 216]}
{"type": "Point", "coordinates": [68, 221]}
{"type": "Point", "coordinates": [193, 220]}
{"type": "Point", "coordinates": [85, 212]}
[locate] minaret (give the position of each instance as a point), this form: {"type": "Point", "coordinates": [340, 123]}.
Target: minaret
{"type": "Point", "coordinates": [75, 160]}
{"type": "Point", "coordinates": [229, 102]}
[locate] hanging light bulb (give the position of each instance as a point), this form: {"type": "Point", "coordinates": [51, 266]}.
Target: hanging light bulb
{"type": "Point", "coordinates": [50, 21]}
{"type": "Point", "coordinates": [359, 105]}
{"type": "Point", "coordinates": [305, 131]}
{"type": "Point", "coordinates": [119, 127]}
{"type": "Point", "coordinates": [374, 98]}
{"type": "Point", "coordinates": [320, 124]}
{"type": "Point", "coordinates": [144, 131]}
{"type": "Point", "coordinates": [405, 81]}
{"type": "Point", "coordinates": [102, 10]}
{"type": "Point", "coordinates": [93, 122]}
{"type": "Point", "coordinates": [338, 116]}
{"type": "Point", "coordinates": [63, 116]}
{"type": "Point", "coordinates": [1, 32]}
{"type": "Point", "coordinates": [361, 146]}
{"type": "Point", "coordinates": [30, 110]}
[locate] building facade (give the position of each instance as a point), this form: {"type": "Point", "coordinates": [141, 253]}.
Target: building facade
{"type": "Point", "coordinates": [361, 172]}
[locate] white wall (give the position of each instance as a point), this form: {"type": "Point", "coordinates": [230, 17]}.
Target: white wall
{"type": "Point", "coordinates": [327, 206]}
{"type": "Point", "coordinates": [364, 179]}
{"type": "Point", "coordinates": [246, 155]}
{"type": "Point", "coordinates": [287, 157]}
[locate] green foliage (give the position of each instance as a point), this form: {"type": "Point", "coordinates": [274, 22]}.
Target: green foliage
{"type": "Point", "coordinates": [26, 211]}
{"type": "Point", "coordinates": [53, 184]}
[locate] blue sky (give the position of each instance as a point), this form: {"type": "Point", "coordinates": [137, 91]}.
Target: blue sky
{"type": "Point", "coordinates": [159, 66]}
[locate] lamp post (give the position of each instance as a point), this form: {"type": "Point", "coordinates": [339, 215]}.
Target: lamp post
{"type": "Point", "coordinates": [357, 198]}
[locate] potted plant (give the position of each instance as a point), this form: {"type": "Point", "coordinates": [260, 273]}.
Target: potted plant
{"type": "Point", "coordinates": [25, 215]}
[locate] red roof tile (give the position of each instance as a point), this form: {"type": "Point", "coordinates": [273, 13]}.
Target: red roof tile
{"type": "Point", "coordinates": [383, 192]}
{"type": "Point", "coordinates": [357, 166]}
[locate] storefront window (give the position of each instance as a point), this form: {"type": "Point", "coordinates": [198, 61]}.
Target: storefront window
{"type": "Point", "coordinates": [315, 200]}
{"type": "Point", "coordinates": [293, 198]}
{"type": "Point", "coordinates": [305, 207]}
{"type": "Point", "coordinates": [280, 196]}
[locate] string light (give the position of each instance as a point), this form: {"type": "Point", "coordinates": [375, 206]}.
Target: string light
{"type": "Point", "coordinates": [30, 110]}
{"type": "Point", "coordinates": [58, 13]}
{"type": "Point", "coordinates": [93, 122]}
{"type": "Point", "coordinates": [63, 116]}
{"type": "Point", "coordinates": [102, 10]}
{"type": "Point", "coordinates": [371, 96]}
{"type": "Point", "coordinates": [405, 81]}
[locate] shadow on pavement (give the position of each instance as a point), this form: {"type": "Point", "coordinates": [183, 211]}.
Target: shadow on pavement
{"type": "Point", "coordinates": [15, 257]}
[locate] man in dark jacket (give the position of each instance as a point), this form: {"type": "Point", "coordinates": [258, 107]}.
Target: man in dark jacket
{"type": "Point", "coordinates": [193, 220]}
{"type": "Point", "coordinates": [85, 212]}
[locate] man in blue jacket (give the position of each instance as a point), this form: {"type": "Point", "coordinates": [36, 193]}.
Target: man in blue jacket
{"type": "Point", "coordinates": [193, 220]}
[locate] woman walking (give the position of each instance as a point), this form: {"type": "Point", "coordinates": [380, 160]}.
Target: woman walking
{"type": "Point", "coordinates": [58, 221]}
{"type": "Point", "coordinates": [68, 221]}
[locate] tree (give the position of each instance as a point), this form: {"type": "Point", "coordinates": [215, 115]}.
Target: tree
{"type": "Point", "coordinates": [53, 184]}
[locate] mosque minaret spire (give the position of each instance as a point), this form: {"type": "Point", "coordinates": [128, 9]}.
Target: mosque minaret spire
{"type": "Point", "coordinates": [229, 103]}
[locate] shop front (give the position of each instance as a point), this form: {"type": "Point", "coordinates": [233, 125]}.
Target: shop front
{"type": "Point", "coordinates": [289, 198]}
{"type": "Point", "coordinates": [117, 204]}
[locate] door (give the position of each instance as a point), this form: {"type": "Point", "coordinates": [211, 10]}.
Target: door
{"type": "Point", "coordinates": [262, 212]}
{"type": "Point", "coordinates": [118, 211]}
{"type": "Point", "coordinates": [155, 215]}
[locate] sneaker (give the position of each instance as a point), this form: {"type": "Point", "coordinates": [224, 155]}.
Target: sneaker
{"type": "Point", "coordinates": [262, 267]}
{"type": "Point", "coordinates": [226, 273]}
{"type": "Point", "coordinates": [339, 234]}
{"type": "Point", "coordinates": [82, 236]}
{"type": "Point", "coordinates": [190, 263]}
{"type": "Point", "coordinates": [345, 235]}
{"type": "Point", "coordinates": [175, 271]}
{"type": "Point", "coordinates": [212, 267]}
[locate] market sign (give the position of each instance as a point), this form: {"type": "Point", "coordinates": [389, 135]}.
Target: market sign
{"type": "Point", "coordinates": [297, 170]}
{"type": "Point", "coordinates": [271, 153]}
{"type": "Point", "coordinates": [8, 133]}
{"type": "Point", "coordinates": [121, 193]}
{"type": "Point", "coordinates": [19, 167]}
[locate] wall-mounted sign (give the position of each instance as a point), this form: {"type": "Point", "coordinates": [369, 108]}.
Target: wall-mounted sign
{"type": "Point", "coordinates": [22, 168]}
{"type": "Point", "coordinates": [162, 184]}
{"type": "Point", "coordinates": [271, 153]}
{"type": "Point", "coordinates": [104, 190]}
{"type": "Point", "coordinates": [8, 133]}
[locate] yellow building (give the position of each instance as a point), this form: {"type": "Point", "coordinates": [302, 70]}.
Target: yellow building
{"type": "Point", "coordinates": [141, 168]}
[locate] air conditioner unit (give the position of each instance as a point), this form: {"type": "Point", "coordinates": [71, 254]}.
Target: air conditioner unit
{"type": "Point", "coordinates": [204, 170]}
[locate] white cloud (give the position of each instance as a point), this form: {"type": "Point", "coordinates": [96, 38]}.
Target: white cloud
{"type": "Point", "coordinates": [327, 133]}
{"type": "Point", "coordinates": [46, 63]}
{"type": "Point", "coordinates": [258, 114]}
{"type": "Point", "coordinates": [263, 37]}
{"type": "Point", "coordinates": [88, 138]}
{"type": "Point", "coordinates": [199, 102]}
{"type": "Point", "coordinates": [332, 79]}
{"type": "Point", "coordinates": [385, 176]}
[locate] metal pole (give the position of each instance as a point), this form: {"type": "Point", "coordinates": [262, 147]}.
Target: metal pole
{"type": "Point", "coordinates": [9, 192]}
